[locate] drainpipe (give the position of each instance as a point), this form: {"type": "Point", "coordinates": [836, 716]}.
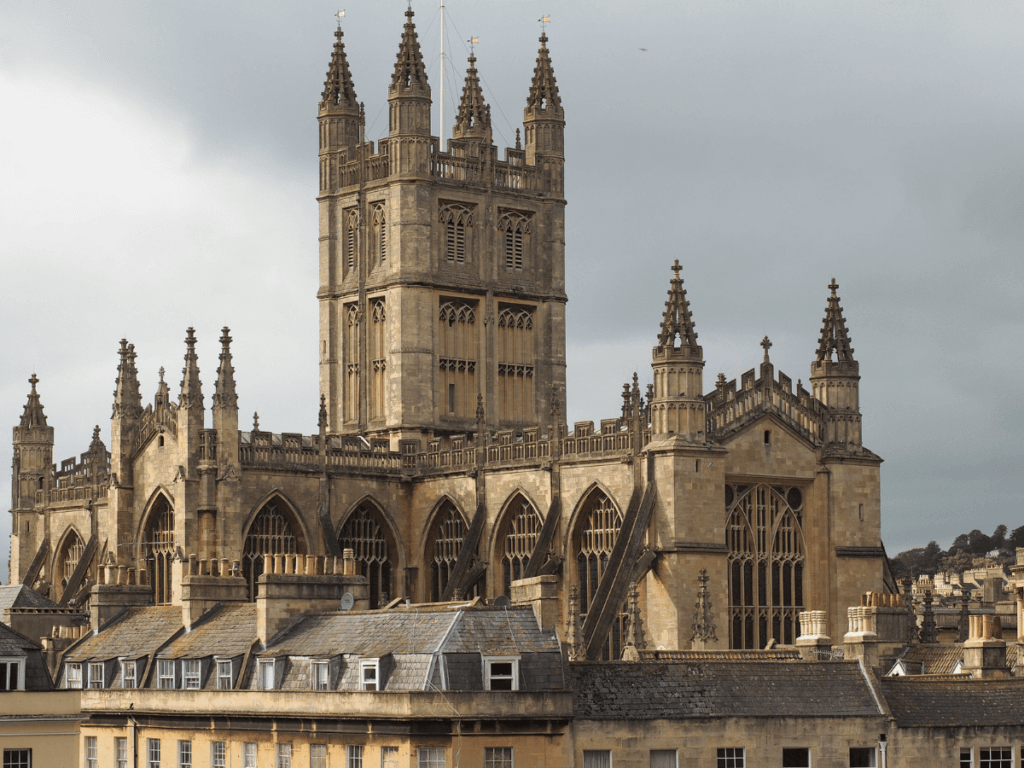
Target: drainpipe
{"type": "Point", "coordinates": [882, 744]}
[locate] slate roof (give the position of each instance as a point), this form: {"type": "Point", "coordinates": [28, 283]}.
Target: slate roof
{"type": "Point", "coordinates": [953, 701]}
{"type": "Point", "coordinates": [942, 659]}
{"type": "Point", "coordinates": [139, 633]}
{"type": "Point", "coordinates": [499, 632]}
{"type": "Point", "coordinates": [702, 689]}
{"type": "Point", "coordinates": [228, 632]}
{"type": "Point", "coordinates": [365, 634]}
{"type": "Point", "coordinates": [17, 645]}
{"type": "Point", "coordinates": [13, 643]}
{"type": "Point", "coordinates": [20, 596]}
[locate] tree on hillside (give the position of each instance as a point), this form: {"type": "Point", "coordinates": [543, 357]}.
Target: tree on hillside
{"type": "Point", "coordinates": [1016, 539]}
{"type": "Point", "coordinates": [957, 561]}
{"type": "Point", "coordinates": [999, 537]}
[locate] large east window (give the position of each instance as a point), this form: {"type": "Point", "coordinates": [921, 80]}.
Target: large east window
{"type": "Point", "coordinates": [766, 564]}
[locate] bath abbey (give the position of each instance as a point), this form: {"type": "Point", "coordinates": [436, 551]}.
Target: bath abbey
{"type": "Point", "coordinates": [706, 515]}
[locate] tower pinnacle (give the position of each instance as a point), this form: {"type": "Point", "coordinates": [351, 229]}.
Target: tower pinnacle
{"type": "Point", "coordinates": [410, 77]}
{"type": "Point", "coordinates": [224, 395]}
{"type": "Point", "coordinates": [677, 322]}
{"type": "Point", "coordinates": [127, 396]}
{"type": "Point", "coordinates": [474, 118]}
{"type": "Point", "coordinates": [338, 89]}
{"type": "Point", "coordinates": [834, 336]}
{"type": "Point", "coordinates": [33, 415]}
{"type": "Point", "coordinates": [544, 89]}
{"type": "Point", "coordinates": [191, 387]}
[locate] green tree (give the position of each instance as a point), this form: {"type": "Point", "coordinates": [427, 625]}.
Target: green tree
{"type": "Point", "coordinates": [999, 537]}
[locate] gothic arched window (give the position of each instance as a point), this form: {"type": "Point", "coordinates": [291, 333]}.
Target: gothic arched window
{"type": "Point", "coordinates": [766, 564]}
{"type": "Point", "coordinates": [517, 541]}
{"type": "Point", "coordinates": [456, 220]}
{"type": "Point", "coordinates": [70, 555]}
{"type": "Point", "coordinates": [515, 364]}
{"type": "Point", "coordinates": [444, 544]}
{"type": "Point", "coordinates": [350, 352]}
{"type": "Point", "coordinates": [598, 532]}
{"type": "Point", "coordinates": [351, 232]}
{"type": "Point", "coordinates": [380, 234]}
{"type": "Point", "coordinates": [271, 533]}
{"type": "Point", "coordinates": [160, 549]}
{"type": "Point", "coordinates": [365, 533]}
{"type": "Point", "coordinates": [456, 355]}
{"type": "Point", "coordinates": [378, 357]}
{"type": "Point", "coordinates": [514, 227]}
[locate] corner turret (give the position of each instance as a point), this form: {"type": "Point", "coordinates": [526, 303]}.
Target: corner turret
{"type": "Point", "coordinates": [409, 104]}
{"type": "Point", "coordinates": [544, 121]}
{"type": "Point", "coordinates": [474, 118]}
{"type": "Point", "coordinates": [339, 112]}
{"type": "Point", "coordinates": [835, 376]}
{"type": "Point", "coordinates": [225, 408]}
{"type": "Point", "coordinates": [678, 365]}
{"type": "Point", "coordinates": [33, 452]}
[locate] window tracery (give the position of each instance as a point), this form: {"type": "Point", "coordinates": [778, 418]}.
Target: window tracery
{"type": "Point", "coordinates": [444, 545]}
{"type": "Point", "coordinates": [364, 533]}
{"type": "Point", "coordinates": [160, 549]}
{"type": "Point", "coordinates": [70, 555]}
{"type": "Point", "coordinates": [351, 238]}
{"type": "Point", "coordinates": [595, 541]}
{"type": "Point", "coordinates": [270, 533]}
{"type": "Point", "coordinates": [380, 233]}
{"type": "Point", "coordinates": [517, 541]}
{"type": "Point", "coordinates": [351, 352]}
{"type": "Point", "coordinates": [456, 220]}
{"type": "Point", "coordinates": [514, 227]}
{"type": "Point", "coordinates": [457, 345]}
{"type": "Point", "coordinates": [766, 561]}
{"type": "Point", "coordinates": [515, 364]}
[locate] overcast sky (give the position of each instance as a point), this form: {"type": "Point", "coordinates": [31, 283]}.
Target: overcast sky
{"type": "Point", "coordinates": [158, 170]}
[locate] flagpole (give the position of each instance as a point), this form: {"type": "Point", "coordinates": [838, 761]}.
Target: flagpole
{"type": "Point", "coordinates": [441, 129]}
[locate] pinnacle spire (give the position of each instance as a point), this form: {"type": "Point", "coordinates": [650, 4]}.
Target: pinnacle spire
{"type": "Point", "coordinates": [834, 336]}
{"type": "Point", "coordinates": [224, 395]}
{"type": "Point", "coordinates": [338, 89]}
{"type": "Point", "coordinates": [677, 322]}
{"type": "Point", "coordinates": [410, 76]}
{"type": "Point", "coordinates": [33, 415]}
{"type": "Point", "coordinates": [544, 90]}
{"type": "Point", "coordinates": [191, 387]}
{"type": "Point", "coordinates": [474, 118]}
{"type": "Point", "coordinates": [127, 395]}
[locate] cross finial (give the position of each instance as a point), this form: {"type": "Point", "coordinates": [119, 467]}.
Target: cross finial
{"type": "Point", "coordinates": [677, 268]}
{"type": "Point", "coordinates": [767, 344]}
{"type": "Point", "coordinates": [162, 372]}
{"type": "Point", "coordinates": [33, 381]}
{"type": "Point", "coordinates": [833, 286]}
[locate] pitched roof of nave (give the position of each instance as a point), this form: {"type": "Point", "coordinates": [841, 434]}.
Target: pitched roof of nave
{"type": "Point", "coordinates": [677, 320]}
{"type": "Point", "coordinates": [338, 88]}
{"type": "Point", "coordinates": [410, 76]}
{"type": "Point", "coordinates": [953, 701]}
{"type": "Point", "coordinates": [474, 117]}
{"type": "Point", "coordinates": [33, 415]}
{"type": "Point", "coordinates": [834, 336]}
{"type": "Point", "coordinates": [544, 88]}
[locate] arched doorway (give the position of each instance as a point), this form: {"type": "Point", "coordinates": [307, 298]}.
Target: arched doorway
{"type": "Point", "coordinates": [517, 538]}
{"type": "Point", "coordinates": [368, 535]}
{"type": "Point", "coordinates": [271, 532]}
{"type": "Point", "coordinates": [597, 531]}
{"type": "Point", "coordinates": [766, 564]}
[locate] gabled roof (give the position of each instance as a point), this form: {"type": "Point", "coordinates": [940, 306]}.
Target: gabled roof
{"type": "Point", "coordinates": [20, 596]}
{"type": "Point", "coordinates": [230, 631]}
{"type": "Point", "coordinates": [14, 643]}
{"type": "Point", "coordinates": [139, 633]}
{"type": "Point", "coordinates": [686, 690]}
{"type": "Point", "coordinates": [372, 634]}
{"type": "Point", "coordinates": [499, 632]}
{"type": "Point", "coordinates": [953, 701]}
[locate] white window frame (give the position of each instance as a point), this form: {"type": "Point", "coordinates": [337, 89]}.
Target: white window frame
{"type": "Point", "coordinates": [431, 757]}
{"type": "Point", "coordinates": [366, 665]}
{"type": "Point", "coordinates": [18, 752]}
{"type": "Point", "coordinates": [984, 762]}
{"type": "Point", "coordinates": [354, 756]}
{"type": "Point", "coordinates": [969, 755]}
{"type": "Point", "coordinates": [18, 664]}
{"type": "Point", "coordinates": [73, 675]}
{"type": "Point", "coordinates": [121, 751]}
{"type": "Point", "coordinates": [673, 753]}
{"type": "Point", "coordinates": [91, 753]}
{"type": "Point", "coordinates": [165, 678]}
{"type": "Point", "coordinates": [191, 674]}
{"type": "Point", "coordinates": [250, 753]}
{"type": "Point", "coordinates": [184, 753]}
{"type": "Point", "coordinates": [94, 668]}
{"type": "Point", "coordinates": [319, 675]}
{"type": "Point", "coordinates": [126, 666]}
{"type": "Point", "coordinates": [152, 753]}
{"type": "Point", "coordinates": [491, 760]}
{"type": "Point", "coordinates": [221, 677]}
{"type": "Point", "coordinates": [284, 755]}
{"type": "Point", "coordinates": [218, 754]}
{"type": "Point", "coordinates": [389, 756]}
{"type": "Point", "coordinates": [265, 667]}
{"type": "Point", "coordinates": [489, 676]}
{"type": "Point", "coordinates": [317, 756]}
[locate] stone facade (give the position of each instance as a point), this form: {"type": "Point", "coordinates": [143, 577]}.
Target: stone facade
{"type": "Point", "coordinates": [443, 459]}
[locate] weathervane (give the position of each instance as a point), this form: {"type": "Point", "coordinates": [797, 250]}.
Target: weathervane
{"type": "Point", "coordinates": [544, 21]}
{"type": "Point", "coordinates": [472, 41]}
{"type": "Point", "coordinates": [340, 15]}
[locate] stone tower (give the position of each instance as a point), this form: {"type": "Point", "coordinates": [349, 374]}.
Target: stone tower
{"type": "Point", "coordinates": [31, 472]}
{"type": "Point", "coordinates": [835, 377]}
{"type": "Point", "coordinates": [442, 269]}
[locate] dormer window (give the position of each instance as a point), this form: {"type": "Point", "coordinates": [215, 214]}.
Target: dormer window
{"type": "Point", "coordinates": [266, 674]}
{"type": "Point", "coordinates": [501, 673]}
{"type": "Point", "coordinates": [74, 676]}
{"type": "Point", "coordinates": [96, 675]}
{"type": "Point", "coordinates": [225, 675]}
{"type": "Point", "coordinates": [12, 675]}
{"type": "Point", "coordinates": [190, 674]}
{"type": "Point", "coordinates": [165, 673]}
{"type": "Point", "coordinates": [319, 675]}
{"type": "Point", "coordinates": [128, 674]}
{"type": "Point", "coordinates": [369, 674]}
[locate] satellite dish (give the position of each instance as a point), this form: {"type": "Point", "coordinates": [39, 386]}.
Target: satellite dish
{"type": "Point", "coordinates": [502, 601]}
{"type": "Point", "coordinates": [347, 601]}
